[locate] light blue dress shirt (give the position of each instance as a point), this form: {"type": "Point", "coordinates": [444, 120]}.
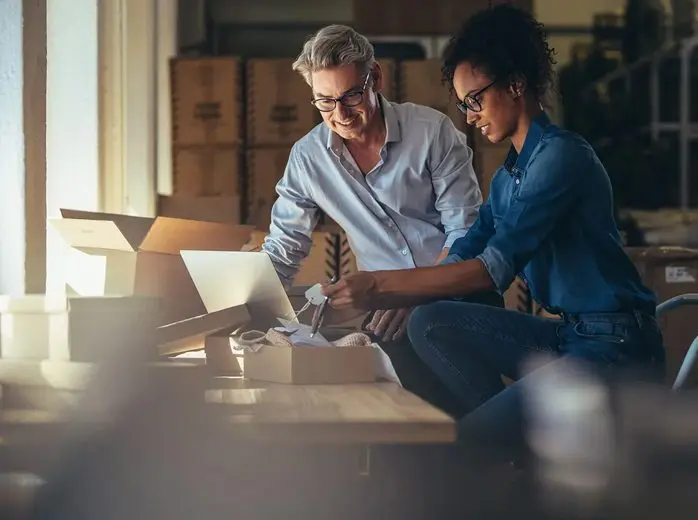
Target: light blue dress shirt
{"type": "Point", "coordinates": [418, 199]}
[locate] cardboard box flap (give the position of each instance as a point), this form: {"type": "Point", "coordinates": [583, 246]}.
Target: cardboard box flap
{"type": "Point", "coordinates": [92, 234]}
{"type": "Point", "coordinates": [132, 228]}
{"type": "Point", "coordinates": [190, 334]}
{"type": "Point", "coordinates": [662, 254]}
{"type": "Point", "coordinates": [172, 235]}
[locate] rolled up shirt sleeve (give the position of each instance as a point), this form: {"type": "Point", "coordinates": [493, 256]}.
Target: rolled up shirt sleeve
{"type": "Point", "coordinates": [551, 184]}
{"type": "Point", "coordinates": [294, 216]}
{"type": "Point", "coordinates": [456, 189]}
{"type": "Point", "coordinates": [475, 241]}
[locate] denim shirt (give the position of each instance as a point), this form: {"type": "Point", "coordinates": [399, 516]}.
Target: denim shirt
{"type": "Point", "coordinates": [549, 218]}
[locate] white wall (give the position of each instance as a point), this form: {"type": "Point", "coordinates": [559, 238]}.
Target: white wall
{"type": "Point", "coordinates": [12, 231]}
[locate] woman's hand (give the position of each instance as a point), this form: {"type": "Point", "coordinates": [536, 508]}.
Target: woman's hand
{"type": "Point", "coordinates": [358, 290]}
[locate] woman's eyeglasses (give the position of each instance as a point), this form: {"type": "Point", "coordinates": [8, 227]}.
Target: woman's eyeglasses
{"type": "Point", "coordinates": [472, 101]}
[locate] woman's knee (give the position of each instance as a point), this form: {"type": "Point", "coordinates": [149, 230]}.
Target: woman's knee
{"type": "Point", "coordinates": [423, 320]}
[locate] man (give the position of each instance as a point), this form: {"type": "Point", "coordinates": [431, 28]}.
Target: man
{"type": "Point", "coordinates": [398, 178]}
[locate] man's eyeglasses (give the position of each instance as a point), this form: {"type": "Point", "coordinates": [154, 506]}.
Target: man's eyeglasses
{"type": "Point", "coordinates": [472, 101]}
{"type": "Point", "coordinates": [350, 99]}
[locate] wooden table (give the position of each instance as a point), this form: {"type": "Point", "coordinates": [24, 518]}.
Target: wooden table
{"type": "Point", "coordinates": [327, 450]}
{"type": "Point", "coordinates": [359, 414]}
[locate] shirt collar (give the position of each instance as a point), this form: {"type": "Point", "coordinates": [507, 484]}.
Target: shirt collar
{"type": "Point", "coordinates": [392, 127]}
{"type": "Point", "coordinates": [516, 162]}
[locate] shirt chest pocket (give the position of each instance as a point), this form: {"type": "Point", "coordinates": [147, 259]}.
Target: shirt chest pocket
{"type": "Point", "coordinates": [503, 200]}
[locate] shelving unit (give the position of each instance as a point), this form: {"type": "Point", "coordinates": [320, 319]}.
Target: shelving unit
{"type": "Point", "coordinates": [687, 130]}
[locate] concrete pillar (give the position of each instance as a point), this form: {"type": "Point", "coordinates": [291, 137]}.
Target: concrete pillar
{"type": "Point", "coordinates": [22, 146]}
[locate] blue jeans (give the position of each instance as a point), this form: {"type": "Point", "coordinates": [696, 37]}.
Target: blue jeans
{"type": "Point", "coordinates": [470, 346]}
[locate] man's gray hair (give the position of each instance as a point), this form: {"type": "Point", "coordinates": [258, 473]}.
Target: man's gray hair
{"type": "Point", "coordinates": [334, 46]}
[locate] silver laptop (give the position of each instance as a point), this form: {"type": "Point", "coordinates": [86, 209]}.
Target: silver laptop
{"type": "Point", "coordinates": [229, 278]}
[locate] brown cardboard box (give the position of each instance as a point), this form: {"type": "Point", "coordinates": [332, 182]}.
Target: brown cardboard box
{"type": "Point", "coordinates": [219, 355]}
{"type": "Point", "coordinates": [311, 365]}
{"type": "Point", "coordinates": [225, 210]}
{"type": "Point", "coordinates": [206, 101]}
{"type": "Point", "coordinates": [421, 84]}
{"type": "Point", "coordinates": [389, 69]}
{"type": "Point", "coordinates": [265, 167]}
{"type": "Point", "coordinates": [669, 272]}
{"type": "Point", "coordinates": [126, 255]}
{"type": "Point", "coordinates": [279, 111]}
{"type": "Point", "coordinates": [206, 171]}
{"type": "Point", "coordinates": [487, 158]}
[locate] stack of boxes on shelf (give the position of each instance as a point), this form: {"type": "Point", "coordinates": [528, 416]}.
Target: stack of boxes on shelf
{"type": "Point", "coordinates": [206, 140]}
{"type": "Point", "coordinates": [278, 113]}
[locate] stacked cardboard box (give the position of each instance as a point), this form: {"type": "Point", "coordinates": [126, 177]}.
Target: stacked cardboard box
{"type": "Point", "coordinates": [390, 84]}
{"type": "Point", "coordinates": [207, 140]}
{"type": "Point", "coordinates": [421, 83]}
{"type": "Point", "coordinates": [279, 113]}
{"type": "Point", "coordinates": [669, 272]}
{"type": "Point", "coordinates": [330, 255]}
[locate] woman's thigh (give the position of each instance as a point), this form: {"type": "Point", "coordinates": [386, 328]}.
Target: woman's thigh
{"type": "Point", "coordinates": [460, 332]}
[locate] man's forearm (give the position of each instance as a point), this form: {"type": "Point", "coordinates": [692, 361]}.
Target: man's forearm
{"type": "Point", "coordinates": [409, 287]}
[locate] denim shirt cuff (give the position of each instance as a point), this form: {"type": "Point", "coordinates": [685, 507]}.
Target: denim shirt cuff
{"type": "Point", "coordinates": [451, 259]}
{"type": "Point", "coordinates": [453, 236]}
{"type": "Point", "coordinates": [501, 271]}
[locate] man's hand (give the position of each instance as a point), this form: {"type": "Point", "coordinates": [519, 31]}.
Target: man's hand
{"type": "Point", "coordinates": [355, 291]}
{"type": "Point", "coordinates": [389, 325]}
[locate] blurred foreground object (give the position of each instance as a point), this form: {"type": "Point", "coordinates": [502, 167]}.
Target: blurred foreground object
{"type": "Point", "coordinates": [613, 448]}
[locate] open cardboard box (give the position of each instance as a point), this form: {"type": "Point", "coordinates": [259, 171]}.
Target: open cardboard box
{"type": "Point", "coordinates": [125, 255]}
{"type": "Point", "coordinates": [226, 279]}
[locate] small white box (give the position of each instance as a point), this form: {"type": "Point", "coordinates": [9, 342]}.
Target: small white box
{"type": "Point", "coordinates": [62, 328]}
{"type": "Point", "coordinates": [29, 324]}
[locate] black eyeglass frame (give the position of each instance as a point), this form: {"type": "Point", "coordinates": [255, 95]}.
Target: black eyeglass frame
{"type": "Point", "coordinates": [348, 99]}
{"type": "Point", "coordinates": [472, 102]}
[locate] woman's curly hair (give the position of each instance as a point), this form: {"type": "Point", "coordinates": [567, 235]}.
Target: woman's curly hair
{"type": "Point", "coordinates": [505, 43]}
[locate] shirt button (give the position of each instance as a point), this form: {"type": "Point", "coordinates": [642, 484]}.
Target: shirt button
{"type": "Point", "coordinates": [404, 252]}
{"type": "Point", "coordinates": [517, 181]}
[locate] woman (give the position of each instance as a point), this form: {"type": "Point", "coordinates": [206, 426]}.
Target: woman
{"type": "Point", "coordinates": [548, 218]}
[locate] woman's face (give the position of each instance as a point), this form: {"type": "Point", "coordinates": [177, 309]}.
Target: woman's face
{"type": "Point", "coordinates": [500, 106]}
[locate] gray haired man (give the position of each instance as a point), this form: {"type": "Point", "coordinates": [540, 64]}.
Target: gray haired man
{"type": "Point", "coordinates": [398, 178]}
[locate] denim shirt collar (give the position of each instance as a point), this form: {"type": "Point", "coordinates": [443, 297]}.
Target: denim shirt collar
{"type": "Point", "coordinates": [516, 162]}
{"type": "Point", "coordinates": [392, 127]}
